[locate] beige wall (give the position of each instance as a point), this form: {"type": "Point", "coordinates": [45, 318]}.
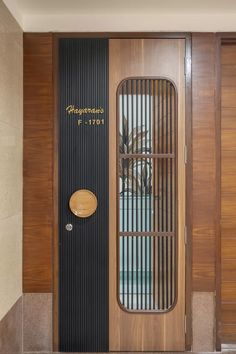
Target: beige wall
{"type": "Point", "coordinates": [11, 119]}
{"type": "Point", "coordinates": [124, 15]}
{"type": "Point", "coordinates": [126, 22]}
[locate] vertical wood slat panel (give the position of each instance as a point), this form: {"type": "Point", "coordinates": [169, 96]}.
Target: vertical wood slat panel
{"type": "Point", "coordinates": [38, 163]}
{"type": "Point", "coordinates": [204, 168]}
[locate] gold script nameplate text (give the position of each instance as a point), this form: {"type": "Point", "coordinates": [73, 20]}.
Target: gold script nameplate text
{"type": "Point", "coordinates": [72, 109]}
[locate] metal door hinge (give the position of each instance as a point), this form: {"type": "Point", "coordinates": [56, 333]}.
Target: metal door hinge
{"type": "Point", "coordinates": [185, 324]}
{"type": "Point", "coordinates": [185, 154]}
{"type": "Point", "coordinates": [185, 235]}
{"type": "Point", "coordinates": [187, 65]}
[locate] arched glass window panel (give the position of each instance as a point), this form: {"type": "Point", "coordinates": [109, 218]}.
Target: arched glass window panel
{"type": "Point", "coordinates": [147, 203]}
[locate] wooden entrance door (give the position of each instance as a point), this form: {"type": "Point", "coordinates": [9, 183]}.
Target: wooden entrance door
{"type": "Point", "coordinates": [146, 195]}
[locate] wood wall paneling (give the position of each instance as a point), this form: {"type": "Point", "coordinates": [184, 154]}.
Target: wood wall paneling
{"type": "Point", "coordinates": [228, 333]}
{"type": "Point", "coordinates": [204, 161]}
{"type": "Point", "coordinates": [38, 163]}
{"type": "Point", "coordinates": [228, 193]}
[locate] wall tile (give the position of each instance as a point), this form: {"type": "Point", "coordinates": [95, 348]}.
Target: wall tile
{"type": "Point", "coordinates": [11, 330]}
{"type": "Point", "coordinates": [37, 322]}
{"type": "Point", "coordinates": [11, 141]}
{"type": "Point", "coordinates": [203, 313]}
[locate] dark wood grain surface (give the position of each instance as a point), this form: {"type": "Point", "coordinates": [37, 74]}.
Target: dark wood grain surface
{"type": "Point", "coordinates": [38, 163]}
{"type": "Point", "coordinates": [228, 193]}
{"type": "Point", "coordinates": [204, 168]}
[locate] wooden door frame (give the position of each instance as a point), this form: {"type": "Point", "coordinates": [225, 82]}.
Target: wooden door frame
{"type": "Point", "coordinates": [188, 136]}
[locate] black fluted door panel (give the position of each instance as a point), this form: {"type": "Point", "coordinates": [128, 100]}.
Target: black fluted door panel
{"type": "Point", "coordinates": [83, 164]}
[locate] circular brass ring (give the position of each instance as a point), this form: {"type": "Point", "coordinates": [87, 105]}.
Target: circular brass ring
{"type": "Point", "coordinates": [83, 203]}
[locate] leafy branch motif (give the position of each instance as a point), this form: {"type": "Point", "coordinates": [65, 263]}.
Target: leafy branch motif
{"type": "Point", "coordinates": [136, 176]}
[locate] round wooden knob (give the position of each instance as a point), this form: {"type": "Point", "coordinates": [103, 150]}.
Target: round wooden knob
{"type": "Point", "coordinates": [83, 203]}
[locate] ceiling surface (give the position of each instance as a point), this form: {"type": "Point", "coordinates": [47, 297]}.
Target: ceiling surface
{"type": "Point", "coordinates": [124, 15]}
{"type": "Point", "coordinates": [132, 6]}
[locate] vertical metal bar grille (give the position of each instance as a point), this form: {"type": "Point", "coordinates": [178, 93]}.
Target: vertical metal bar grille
{"type": "Point", "coordinates": [147, 121]}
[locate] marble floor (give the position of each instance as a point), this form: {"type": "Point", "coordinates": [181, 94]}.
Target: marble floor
{"type": "Point", "coordinates": [223, 352]}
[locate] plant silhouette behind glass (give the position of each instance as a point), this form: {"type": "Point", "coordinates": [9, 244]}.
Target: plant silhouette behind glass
{"type": "Point", "coordinates": [136, 176]}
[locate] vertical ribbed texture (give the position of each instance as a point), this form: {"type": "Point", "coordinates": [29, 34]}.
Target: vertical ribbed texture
{"type": "Point", "coordinates": [147, 199]}
{"type": "Point", "coordinates": [83, 164]}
